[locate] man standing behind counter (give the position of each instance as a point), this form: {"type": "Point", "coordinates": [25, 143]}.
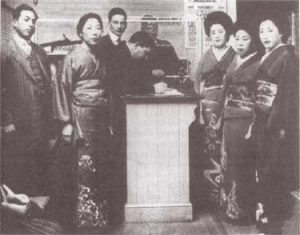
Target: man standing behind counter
{"type": "Point", "coordinates": [114, 52]}
{"type": "Point", "coordinates": [140, 45]}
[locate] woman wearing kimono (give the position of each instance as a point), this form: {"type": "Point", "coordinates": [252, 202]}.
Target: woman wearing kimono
{"type": "Point", "coordinates": [82, 105]}
{"type": "Point", "coordinates": [237, 162]}
{"type": "Point", "coordinates": [277, 116]}
{"type": "Point", "coordinates": [208, 84]}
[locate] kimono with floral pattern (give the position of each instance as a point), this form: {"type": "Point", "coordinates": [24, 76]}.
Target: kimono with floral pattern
{"type": "Point", "coordinates": [237, 161]}
{"type": "Point", "coordinates": [81, 100]}
{"type": "Point", "coordinates": [211, 71]}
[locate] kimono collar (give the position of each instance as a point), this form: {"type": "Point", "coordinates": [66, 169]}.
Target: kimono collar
{"type": "Point", "coordinates": [240, 61]}
{"type": "Point", "coordinates": [219, 57]}
{"type": "Point", "coordinates": [114, 38]}
{"type": "Point", "coordinates": [23, 44]}
{"type": "Point", "coordinates": [268, 53]}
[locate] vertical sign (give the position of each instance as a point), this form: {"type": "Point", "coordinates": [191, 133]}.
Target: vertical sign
{"type": "Point", "coordinates": [199, 9]}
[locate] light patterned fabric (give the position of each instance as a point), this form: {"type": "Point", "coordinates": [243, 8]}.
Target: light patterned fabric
{"type": "Point", "coordinates": [81, 99]}
{"type": "Point", "coordinates": [211, 72]}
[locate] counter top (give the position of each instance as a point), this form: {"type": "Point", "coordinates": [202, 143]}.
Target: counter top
{"type": "Point", "coordinates": [161, 98]}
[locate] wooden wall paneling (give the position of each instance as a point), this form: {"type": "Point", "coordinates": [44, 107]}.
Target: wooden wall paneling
{"type": "Point", "coordinates": [185, 120]}
{"type": "Point", "coordinates": [151, 169]}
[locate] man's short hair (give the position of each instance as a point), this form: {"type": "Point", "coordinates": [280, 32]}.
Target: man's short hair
{"type": "Point", "coordinates": [116, 11]}
{"type": "Point", "coordinates": [23, 7]}
{"type": "Point", "coordinates": [142, 39]}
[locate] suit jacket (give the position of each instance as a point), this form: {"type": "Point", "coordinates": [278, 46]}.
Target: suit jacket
{"type": "Point", "coordinates": [117, 60]}
{"type": "Point", "coordinates": [25, 103]}
{"type": "Point", "coordinates": [163, 56]}
{"type": "Point", "coordinates": [139, 78]}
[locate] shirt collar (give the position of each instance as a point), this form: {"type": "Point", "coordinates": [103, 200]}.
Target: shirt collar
{"type": "Point", "coordinates": [25, 45]}
{"type": "Point", "coordinates": [114, 38]}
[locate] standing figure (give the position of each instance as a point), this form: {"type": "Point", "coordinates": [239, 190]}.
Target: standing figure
{"type": "Point", "coordinates": [26, 126]}
{"type": "Point", "coordinates": [208, 84]}
{"type": "Point", "coordinates": [277, 117]}
{"type": "Point", "coordinates": [237, 158]}
{"type": "Point", "coordinates": [81, 103]}
{"type": "Point", "coordinates": [113, 50]}
{"type": "Point", "coordinates": [26, 108]}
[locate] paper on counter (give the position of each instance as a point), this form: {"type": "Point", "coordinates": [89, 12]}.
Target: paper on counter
{"type": "Point", "coordinates": [171, 91]}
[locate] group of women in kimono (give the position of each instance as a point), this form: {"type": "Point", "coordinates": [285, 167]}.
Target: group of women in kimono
{"type": "Point", "coordinates": [247, 109]}
{"type": "Point", "coordinates": [248, 112]}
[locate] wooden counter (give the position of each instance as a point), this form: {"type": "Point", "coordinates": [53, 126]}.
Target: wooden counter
{"type": "Point", "coordinates": [158, 158]}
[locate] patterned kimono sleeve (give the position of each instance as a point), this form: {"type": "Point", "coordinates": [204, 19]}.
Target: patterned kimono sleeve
{"type": "Point", "coordinates": [63, 91]}
{"type": "Point", "coordinates": [279, 114]}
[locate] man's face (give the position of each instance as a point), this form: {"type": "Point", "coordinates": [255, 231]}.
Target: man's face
{"type": "Point", "coordinates": [117, 25]}
{"type": "Point", "coordinates": [25, 24]}
{"type": "Point", "coordinates": [140, 52]}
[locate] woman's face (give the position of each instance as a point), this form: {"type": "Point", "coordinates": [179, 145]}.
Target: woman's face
{"type": "Point", "coordinates": [91, 32]}
{"type": "Point", "coordinates": [269, 34]}
{"type": "Point", "coordinates": [218, 35]}
{"type": "Point", "coordinates": [242, 42]}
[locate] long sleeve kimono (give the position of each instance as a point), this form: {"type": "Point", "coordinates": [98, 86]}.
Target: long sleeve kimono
{"type": "Point", "coordinates": [208, 84]}
{"type": "Point", "coordinates": [81, 100]}
{"type": "Point", "coordinates": [237, 162]}
{"type": "Point", "coordinates": [276, 109]}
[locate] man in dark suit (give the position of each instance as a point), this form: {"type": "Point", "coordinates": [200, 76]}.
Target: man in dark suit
{"type": "Point", "coordinates": [26, 121]}
{"type": "Point", "coordinates": [25, 107]}
{"type": "Point", "coordinates": [118, 59]}
{"type": "Point", "coordinates": [163, 59]}
{"type": "Point", "coordinates": [114, 52]}
{"type": "Point", "coordinates": [139, 81]}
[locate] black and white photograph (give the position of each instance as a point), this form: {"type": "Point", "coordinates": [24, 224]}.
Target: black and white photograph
{"type": "Point", "coordinates": [144, 117]}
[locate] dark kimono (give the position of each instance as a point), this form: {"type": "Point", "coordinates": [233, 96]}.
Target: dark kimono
{"type": "Point", "coordinates": [276, 109]}
{"type": "Point", "coordinates": [211, 72]}
{"type": "Point", "coordinates": [81, 100]}
{"type": "Point", "coordinates": [237, 188]}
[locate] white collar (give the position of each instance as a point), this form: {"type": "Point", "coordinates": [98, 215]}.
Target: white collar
{"type": "Point", "coordinates": [24, 44]}
{"type": "Point", "coordinates": [114, 38]}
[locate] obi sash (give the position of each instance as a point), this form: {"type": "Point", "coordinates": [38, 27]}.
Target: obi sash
{"type": "Point", "coordinates": [265, 95]}
{"type": "Point", "coordinates": [87, 93]}
{"type": "Point", "coordinates": [241, 104]}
